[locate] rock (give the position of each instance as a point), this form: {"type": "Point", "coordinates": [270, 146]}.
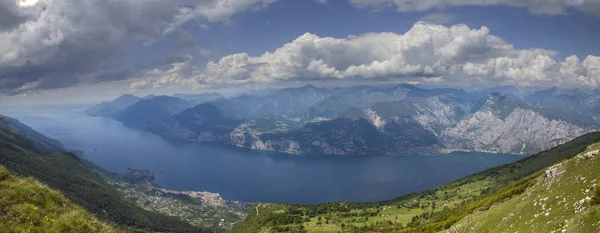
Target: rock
{"type": "Point", "coordinates": [551, 173]}
{"type": "Point", "coordinates": [579, 206]}
{"type": "Point", "coordinates": [590, 154]}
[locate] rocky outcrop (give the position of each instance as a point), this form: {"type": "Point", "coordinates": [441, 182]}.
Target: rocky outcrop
{"type": "Point", "coordinates": [522, 131]}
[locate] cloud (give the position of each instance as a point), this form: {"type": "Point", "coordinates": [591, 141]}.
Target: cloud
{"type": "Point", "coordinates": [438, 18]}
{"type": "Point", "coordinates": [546, 7]}
{"type": "Point", "coordinates": [455, 55]}
{"type": "Point", "coordinates": [59, 43]}
{"type": "Point", "coordinates": [176, 77]}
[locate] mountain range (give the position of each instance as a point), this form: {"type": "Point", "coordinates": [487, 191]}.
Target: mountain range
{"type": "Point", "coordinates": [369, 120]}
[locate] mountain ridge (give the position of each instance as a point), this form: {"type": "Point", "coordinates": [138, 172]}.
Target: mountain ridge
{"type": "Point", "coordinates": [442, 120]}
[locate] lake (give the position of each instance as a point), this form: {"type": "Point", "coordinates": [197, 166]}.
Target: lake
{"type": "Point", "coordinates": [239, 174]}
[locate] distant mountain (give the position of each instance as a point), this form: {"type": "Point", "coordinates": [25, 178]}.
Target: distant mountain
{"type": "Point", "coordinates": [520, 93]}
{"type": "Point", "coordinates": [204, 122]}
{"type": "Point", "coordinates": [149, 112]}
{"type": "Point", "coordinates": [241, 107]}
{"type": "Point", "coordinates": [364, 120]}
{"type": "Point", "coordinates": [552, 191]}
{"type": "Point", "coordinates": [111, 107]}
{"type": "Point", "coordinates": [501, 123]}
{"type": "Point", "coordinates": [196, 99]}
{"type": "Point", "coordinates": [581, 99]}
{"type": "Point", "coordinates": [292, 101]}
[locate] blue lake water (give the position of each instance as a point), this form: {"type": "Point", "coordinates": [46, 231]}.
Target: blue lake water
{"type": "Point", "coordinates": [244, 175]}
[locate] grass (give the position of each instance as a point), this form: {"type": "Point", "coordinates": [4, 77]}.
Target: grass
{"type": "Point", "coordinates": [549, 205]}
{"type": "Point", "coordinates": [26, 205]}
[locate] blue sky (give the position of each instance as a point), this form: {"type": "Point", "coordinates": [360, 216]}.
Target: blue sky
{"type": "Point", "coordinates": [159, 47]}
{"type": "Point", "coordinates": [259, 32]}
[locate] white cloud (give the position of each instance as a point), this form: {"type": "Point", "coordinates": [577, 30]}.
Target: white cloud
{"type": "Point", "coordinates": [59, 43]}
{"type": "Point", "coordinates": [548, 7]}
{"type": "Point", "coordinates": [178, 76]}
{"type": "Point", "coordinates": [456, 55]}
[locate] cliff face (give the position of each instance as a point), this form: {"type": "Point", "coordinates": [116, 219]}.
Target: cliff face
{"type": "Point", "coordinates": [522, 131]}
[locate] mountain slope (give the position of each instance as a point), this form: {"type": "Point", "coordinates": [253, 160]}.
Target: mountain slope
{"type": "Point", "coordinates": [292, 101]}
{"type": "Point", "coordinates": [463, 203]}
{"type": "Point", "coordinates": [111, 107]}
{"type": "Point", "coordinates": [148, 112]}
{"type": "Point", "coordinates": [41, 141]}
{"type": "Point", "coordinates": [564, 198]}
{"type": "Point", "coordinates": [30, 206]}
{"type": "Point", "coordinates": [501, 123]}
{"type": "Point", "coordinates": [67, 173]}
{"type": "Point", "coordinates": [196, 99]}
{"type": "Point", "coordinates": [204, 122]}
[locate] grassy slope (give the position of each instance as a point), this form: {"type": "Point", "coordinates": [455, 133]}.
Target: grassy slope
{"type": "Point", "coordinates": [65, 172]}
{"type": "Point", "coordinates": [430, 211]}
{"type": "Point", "coordinates": [26, 205]}
{"type": "Point", "coordinates": [549, 205]}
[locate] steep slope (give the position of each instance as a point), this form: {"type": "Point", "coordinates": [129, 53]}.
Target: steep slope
{"type": "Point", "coordinates": [111, 107]}
{"type": "Point", "coordinates": [148, 112]}
{"type": "Point", "coordinates": [338, 137]}
{"type": "Point", "coordinates": [410, 125]}
{"type": "Point", "coordinates": [67, 173]}
{"type": "Point", "coordinates": [248, 133]}
{"type": "Point", "coordinates": [565, 198]}
{"type": "Point", "coordinates": [30, 206]}
{"type": "Point", "coordinates": [204, 122]}
{"type": "Point", "coordinates": [501, 123]}
{"type": "Point", "coordinates": [468, 202]}
{"type": "Point", "coordinates": [41, 141]}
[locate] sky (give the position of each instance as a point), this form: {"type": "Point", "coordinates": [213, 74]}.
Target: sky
{"type": "Point", "coordinates": [71, 51]}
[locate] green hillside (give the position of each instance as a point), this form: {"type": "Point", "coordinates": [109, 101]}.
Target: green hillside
{"type": "Point", "coordinates": [66, 173]}
{"type": "Point", "coordinates": [26, 205]}
{"type": "Point", "coordinates": [517, 196]}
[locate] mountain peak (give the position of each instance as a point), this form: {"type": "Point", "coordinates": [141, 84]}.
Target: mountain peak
{"type": "Point", "coordinates": [499, 103]}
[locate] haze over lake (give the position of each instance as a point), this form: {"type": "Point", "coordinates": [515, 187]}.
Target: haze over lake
{"type": "Point", "coordinates": [239, 174]}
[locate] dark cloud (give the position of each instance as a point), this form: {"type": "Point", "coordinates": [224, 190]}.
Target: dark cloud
{"type": "Point", "coordinates": [9, 15]}
{"type": "Point", "coordinates": [65, 42]}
